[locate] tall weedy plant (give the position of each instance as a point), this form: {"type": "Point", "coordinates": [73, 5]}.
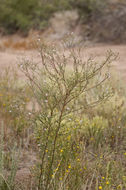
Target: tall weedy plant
{"type": "Point", "coordinates": [64, 85]}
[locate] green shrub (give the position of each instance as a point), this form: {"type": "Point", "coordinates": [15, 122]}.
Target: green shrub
{"type": "Point", "coordinates": [16, 15]}
{"type": "Point", "coordinates": [64, 88]}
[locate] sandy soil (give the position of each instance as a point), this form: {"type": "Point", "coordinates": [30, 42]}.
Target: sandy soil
{"type": "Point", "coordinates": [12, 57]}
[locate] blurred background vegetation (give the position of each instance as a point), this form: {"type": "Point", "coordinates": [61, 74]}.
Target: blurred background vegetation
{"type": "Point", "coordinates": [26, 15]}
{"type": "Point", "coordinates": [16, 15]}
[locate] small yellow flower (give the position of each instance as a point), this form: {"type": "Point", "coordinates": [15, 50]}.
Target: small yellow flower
{"type": "Point", "coordinates": [100, 187]}
{"type": "Point", "coordinates": [69, 137]}
{"type": "Point", "coordinates": [103, 177]}
{"type": "Point", "coordinates": [67, 171]}
{"type": "Point", "coordinates": [107, 182]}
{"type": "Point", "coordinates": [56, 170]}
{"type": "Point", "coordinates": [78, 160]}
{"type": "Point", "coordinates": [119, 187]}
{"type": "Point", "coordinates": [52, 176]}
{"type": "Point", "coordinates": [77, 120]}
{"type": "Point", "coordinates": [69, 166]}
{"type": "Point", "coordinates": [61, 150]}
{"type": "Point", "coordinates": [125, 154]}
{"type": "Point", "coordinates": [91, 139]}
{"type": "Point", "coordinates": [46, 150]}
{"type": "Point", "coordinates": [60, 178]}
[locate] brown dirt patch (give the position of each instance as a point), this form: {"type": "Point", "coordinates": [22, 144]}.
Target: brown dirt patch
{"type": "Point", "coordinates": [10, 58]}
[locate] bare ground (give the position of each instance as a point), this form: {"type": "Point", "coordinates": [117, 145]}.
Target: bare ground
{"type": "Point", "coordinates": [9, 58]}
